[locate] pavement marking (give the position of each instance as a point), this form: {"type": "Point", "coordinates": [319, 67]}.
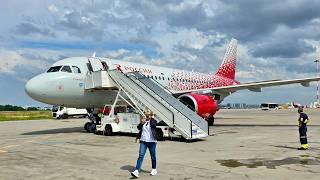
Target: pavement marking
{"type": "Point", "coordinates": [31, 141]}
{"type": "Point", "coordinates": [14, 145]}
{"type": "Point", "coordinates": [3, 151]}
{"type": "Point", "coordinates": [25, 142]}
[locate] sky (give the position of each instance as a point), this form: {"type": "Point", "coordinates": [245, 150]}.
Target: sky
{"type": "Point", "coordinates": [276, 40]}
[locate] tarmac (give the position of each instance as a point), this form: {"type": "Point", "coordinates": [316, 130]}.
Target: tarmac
{"type": "Point", "coordinates": [243, 144]}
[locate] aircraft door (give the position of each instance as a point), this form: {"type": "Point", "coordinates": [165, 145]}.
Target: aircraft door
{"type": "Point", "coordinates": [96, 64]}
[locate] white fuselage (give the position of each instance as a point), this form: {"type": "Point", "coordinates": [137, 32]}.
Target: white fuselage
{"type": "Point", "coordinates": [66, 88]}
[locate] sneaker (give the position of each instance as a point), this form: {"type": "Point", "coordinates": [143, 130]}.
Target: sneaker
{"type": "Point", "coordinates": [153, 172]}
{"type": "Point", "coordinates": [135, 173]}
{"type": "Point", "coordinates": [302, 148]}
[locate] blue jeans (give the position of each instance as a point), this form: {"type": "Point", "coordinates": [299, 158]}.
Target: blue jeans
{"type": "Point", "coordinates": [142, 151]}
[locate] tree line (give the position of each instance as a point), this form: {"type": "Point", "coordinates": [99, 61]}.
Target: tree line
{"type": "Point", "coordinates": [16, 108]}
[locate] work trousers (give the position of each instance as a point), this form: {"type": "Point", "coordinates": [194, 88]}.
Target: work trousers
{"type": "Point", "coordinates": [142, 151]}
{"type": "Point", "coordinates": [303, 134]}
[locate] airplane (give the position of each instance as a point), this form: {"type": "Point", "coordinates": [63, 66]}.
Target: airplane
{"type": "Point", "coordinates": [63, 83]}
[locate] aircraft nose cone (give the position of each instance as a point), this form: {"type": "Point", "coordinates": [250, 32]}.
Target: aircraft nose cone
{"type": "Point", "coordinates": [31, 88]}
{"type": "Point", "coordinates": [37, 87]}
{"type": "Point", "coordinates": [42, 88]}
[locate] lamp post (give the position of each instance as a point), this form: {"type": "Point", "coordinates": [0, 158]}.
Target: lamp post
{"type": "Point", "coordinates": [317, 62]}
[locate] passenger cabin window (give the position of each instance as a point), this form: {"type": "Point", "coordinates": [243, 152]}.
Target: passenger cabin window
{"type": "Point", "coordinates": [54, 69]}
{"type": "Point", "coordinates": [66, 69]}
{"type": "Point", "coordinates": [75, 69]}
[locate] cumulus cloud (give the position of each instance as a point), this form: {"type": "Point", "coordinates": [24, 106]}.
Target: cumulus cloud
{"type": "Point", "coordinates": [9, 60]}
{"type": "Point", "coordinates": [20, 65]}
{"type": "Point", "coordinates": [52, 8]}
{"type": "Point", "coordinates": [28, 28]}
{"type": "Point", "coordinates": [183, 32]}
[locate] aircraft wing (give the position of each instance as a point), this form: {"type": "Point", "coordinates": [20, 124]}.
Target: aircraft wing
{"type": "Point", "coordinates": [253, 86]}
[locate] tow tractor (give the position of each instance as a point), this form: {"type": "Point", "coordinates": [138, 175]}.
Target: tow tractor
{"type": "Point", "coordinates": [122, 119]}
{"type": "Point", "coordinates": [126, 123]}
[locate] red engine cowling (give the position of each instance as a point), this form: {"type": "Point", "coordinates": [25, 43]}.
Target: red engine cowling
{"type": "Point", "coordinates": [204, 105]}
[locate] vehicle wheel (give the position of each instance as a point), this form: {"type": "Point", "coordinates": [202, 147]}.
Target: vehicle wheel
{"type": "Point", "coordinates": [211, 121]}
{"type": "Point", "coordinates": [86, 126]}
{"type": "Point", "coordinates": [159, 134]}
{"type": "Point", "coordinates": [108, 130]}
{"type": "Point", "coordinates": [65, 116]}
{"type": "Point", "coordinates": [92, 128]}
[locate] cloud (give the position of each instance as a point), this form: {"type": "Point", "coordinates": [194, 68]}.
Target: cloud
{"type": "Point", "coordinates": [251, 20]}
{"type": "Point", "coordinates": [186, 14]}
{"type": "Point", "coordinates": [52, 8]}
{"type": "Point", "coordinates": [117, 54]}
{"type": "Point", "coordinates": [9, 60]}
{"type": "Point", "coordinates": [28, 28]}
{"type": "Point", "coordinates": [288, 48]}
{"type": "Point", "coordinates": [21, 65]}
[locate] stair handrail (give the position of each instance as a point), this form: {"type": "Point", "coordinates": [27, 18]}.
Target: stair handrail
{"type": "Point", "coordinates": [159, 96]}
{"type": "Point", "coordinates": [148, 93]}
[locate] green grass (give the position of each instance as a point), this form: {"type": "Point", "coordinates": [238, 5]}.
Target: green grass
{"type": "Point", "coordinates": [24, 115]}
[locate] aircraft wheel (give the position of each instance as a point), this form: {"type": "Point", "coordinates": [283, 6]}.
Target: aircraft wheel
{"type": "Point", "coordinates": [159, 134]}
{"type": "Point", "coordinates": [211, 121]}
{"type": "Point", "coordinates": [87, 125]}
{"type": "Point", "coordinates": [108, 130]}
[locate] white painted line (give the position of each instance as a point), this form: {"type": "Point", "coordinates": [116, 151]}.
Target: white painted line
{"type": "Point", "coordinates": [2, 151]}
{"type": "Point", "coordinates": [5, 147]}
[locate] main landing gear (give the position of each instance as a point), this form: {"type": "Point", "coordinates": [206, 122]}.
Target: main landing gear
{"type": "Point", "coordinates": [210, 121]}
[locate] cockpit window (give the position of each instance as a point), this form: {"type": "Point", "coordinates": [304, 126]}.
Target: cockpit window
{"type": "Point", "coordinates": [54, 69]}
{"type": "Point", "coordinates": [75, 69]}
{"type": "Point", "coordinates": [66, 69]}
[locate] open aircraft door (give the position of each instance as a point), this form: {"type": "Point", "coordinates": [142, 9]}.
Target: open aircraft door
{"type": "Point", "coordinates": [96, 64]}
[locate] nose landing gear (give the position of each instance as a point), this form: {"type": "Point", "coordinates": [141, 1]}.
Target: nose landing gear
{"type": "Point", "coordinates": [90, 127]}
{"type": "Point", "coordinates": [95, 119]}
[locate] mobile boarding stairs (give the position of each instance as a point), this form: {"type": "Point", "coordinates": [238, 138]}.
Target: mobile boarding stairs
{"type": "Point", "coordinates": [146, 93]}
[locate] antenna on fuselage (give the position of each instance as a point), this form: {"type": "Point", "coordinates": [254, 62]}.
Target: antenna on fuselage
{"type": "Point", "coordinates": [94, 54]}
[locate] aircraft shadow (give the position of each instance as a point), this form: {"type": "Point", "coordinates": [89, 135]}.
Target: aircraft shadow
{"type": "Point", "coordinates": [56, 131]}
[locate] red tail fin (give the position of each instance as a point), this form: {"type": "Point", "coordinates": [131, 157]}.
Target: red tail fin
{"type": "Point", "coordinates": [228, 66]}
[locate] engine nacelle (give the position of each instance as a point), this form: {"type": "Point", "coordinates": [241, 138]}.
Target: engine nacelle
{"type": "Point", "coordinates": [204, 105]}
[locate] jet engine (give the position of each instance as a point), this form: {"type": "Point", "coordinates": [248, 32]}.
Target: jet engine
{"type": "Point", "coordinates": [204, 105]}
